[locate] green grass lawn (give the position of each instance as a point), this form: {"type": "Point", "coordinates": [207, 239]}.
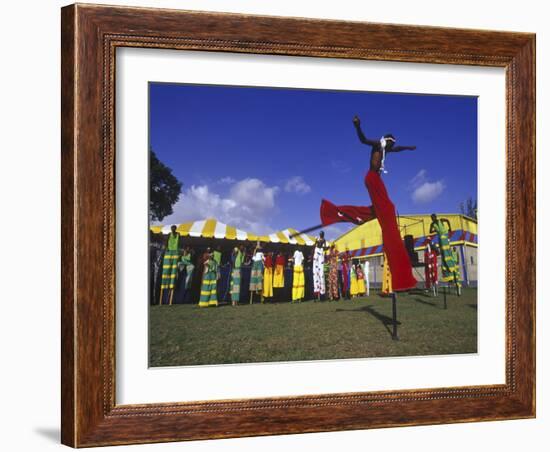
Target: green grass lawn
{"type": "Point", "coordinates": [189, 335]}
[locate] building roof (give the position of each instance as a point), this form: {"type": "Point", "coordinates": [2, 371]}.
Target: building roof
{"type": "Point", "coordinates": [212, 228]}
{"type": "Point", "coordinates": [366, 239]}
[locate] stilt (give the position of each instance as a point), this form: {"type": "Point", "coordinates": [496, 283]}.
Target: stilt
{"type": "Point", "coordinates": [394, 335]}
{"type": "Point", "coordinates": [161, 295]}
{"type": "Point", "coordinates": [444, 297]}
{"type": "Point", "coordinates": [171, 296]}
{"type": "Point", "coordinates": [251, 295]}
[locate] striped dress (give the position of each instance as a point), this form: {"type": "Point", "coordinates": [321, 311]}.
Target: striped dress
{"type": "Point", "coordinates": [170, 262]}
{"type": "Point", "coordinates": [449, 266]}
{"type": "Point", "coordinates": [257, 272]}
{"type": "Point", "coordinates": [236, 277]}
{"type": "Point", "coordinates": [209, 288]}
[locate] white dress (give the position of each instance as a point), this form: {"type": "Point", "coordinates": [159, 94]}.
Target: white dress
{"type": "Point", "coordinates": [366, 269]}
{"type": "Point", "coordinates": [319, 271]}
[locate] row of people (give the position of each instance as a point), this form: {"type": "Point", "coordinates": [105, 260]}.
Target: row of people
{"type": "Point", "coordinates": [267, 275]}
{"type": "Point", "coordinates": [334, 275]}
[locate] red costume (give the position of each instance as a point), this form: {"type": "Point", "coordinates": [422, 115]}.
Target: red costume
{"type": "Point", "coordinates": [430, 267]}
{"type": "Point", "coordinates": [383, 209]}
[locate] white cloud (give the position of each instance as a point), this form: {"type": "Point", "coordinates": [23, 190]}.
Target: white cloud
{"type": "Point", "coordinates": [248, 205]}
{"type": "Point", "coordinates": [226, 181]}
{"type": "Point", "coordinates": [424, 190]}
{"type": "Point", "coordinates": [297, 184]}
{"type": "Point", "coordinates": [428, 191]}
{"type": "Point", "coordinates": [419, 178]}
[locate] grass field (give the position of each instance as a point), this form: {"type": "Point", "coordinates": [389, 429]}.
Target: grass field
{"type": "Point", "coordinates": [188, 335]}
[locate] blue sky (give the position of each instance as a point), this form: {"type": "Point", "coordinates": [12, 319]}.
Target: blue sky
{"type": "Point", "coordinates": [261, 159]}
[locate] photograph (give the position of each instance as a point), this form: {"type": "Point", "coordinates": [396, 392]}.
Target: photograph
{"type": "Point", "coordinates": [294, 224]}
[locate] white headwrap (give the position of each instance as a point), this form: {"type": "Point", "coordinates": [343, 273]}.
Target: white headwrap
{"type": "Point", "coordinates": [383, 141]}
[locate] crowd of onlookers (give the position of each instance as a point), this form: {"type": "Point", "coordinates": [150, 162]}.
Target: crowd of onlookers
{"type": "Point", "coordinates": [247, 273]}
{"type": "Point", "coordinates": [186, 270]}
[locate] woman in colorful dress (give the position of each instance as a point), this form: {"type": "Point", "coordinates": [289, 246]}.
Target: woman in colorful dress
{"type": "Point", "coordinates": [449, 267]}
{"type": "Point", "coordinates": [268, 277]}
{"type": "Point", "coordinates": [186, 264]}
{"type": "Point", "coordinates": [353, 288]}
{"type": "Point", "coordinates": [208, 295]}
{"type": "Point", "coordinates": [346, 258]}
{"type": "Point", "coordinates": [386, 278]}
{"type": "Point", "coordinates": [170, 265]}
{"type": "Point", "coordinates": [236, 261]}
{"type": "Point", "coordinates": [318, 266]}
{"type": "Point", "coordinates": [333, 274]}
{"type": "Point", "coordinates": [279, 275]}
{"type": "Point", "coordinates": [257, 272]}
{"type": "Point", "coordinates": [298, 281]}
{"type": "Point", "coordinates": [360, 280]}
{"type": "Point", "coordinates": [430, 267]}
{"type": "Point", "coordinates": [366, 272]}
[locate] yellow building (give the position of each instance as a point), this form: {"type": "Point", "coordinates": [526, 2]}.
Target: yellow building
{"type": "Point", "coordinates": [365, 242]}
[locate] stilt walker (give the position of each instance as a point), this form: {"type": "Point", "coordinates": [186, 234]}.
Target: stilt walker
{"type": "Point", "coordinates": [279, 276]}
{"type": "Point", "coordinates": [430, 268]}
{"type": "Point", "coordinates": [267, 291]}
{"type": "Point", "coordinates": [209, 287]}
{"type": "Point", "coordinates": [256, 274]}
{"type": "Point", "coordinates": [170, 265]}
{"type": "Point", "coordinates": [333, 274]}
{"type": "Point", "coordinates": [382, 209]}
{"type": "Point", "coordinates": [235, 290]}
{"type": "Point", "coordinates": [366, 271]}
{"type": "Point", "coordinates": [318, 266]}
{"type": "Point", "coordinates": [387, 288]}
{"type": "Point", "coordinates": [360, 280]}
{"type": "Point", "coordinates": [449, 266]}
{"type": "Point", "coordinates": [353, 287]}
{"type": "Point", "coordinates": [298, 281]}
{"type": "Point", "coordinates": [346, 263]}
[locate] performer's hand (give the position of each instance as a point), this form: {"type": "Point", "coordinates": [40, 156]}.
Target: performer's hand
{"type": "Point", "coordinates": [356, 121]}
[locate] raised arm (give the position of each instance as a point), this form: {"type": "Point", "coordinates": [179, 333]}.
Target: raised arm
{"type": "Point", "coordinates": [401, 148]}
{"type": "Point", "coordinates": [361, 135]}
{"type": "Point", "coordinates": [445, 220]}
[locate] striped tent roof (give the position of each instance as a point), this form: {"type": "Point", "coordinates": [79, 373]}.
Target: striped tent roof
{"type": "Point", "coordinates": [211, 228]}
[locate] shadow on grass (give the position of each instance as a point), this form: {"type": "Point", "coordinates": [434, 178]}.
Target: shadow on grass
{"type": "Point", "coordinates": [420, 292]}
{"type": "Point", "coordinates": [386, 321]}
{"type": "Point", "coordinates": [429, 303]}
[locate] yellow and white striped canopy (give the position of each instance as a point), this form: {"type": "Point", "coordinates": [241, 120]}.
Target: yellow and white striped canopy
{"type": "Point", "coordinates": [211, 228]}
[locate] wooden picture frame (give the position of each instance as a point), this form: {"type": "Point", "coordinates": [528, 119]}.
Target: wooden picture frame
{"type": "Point", "coordinates": [90, 36]}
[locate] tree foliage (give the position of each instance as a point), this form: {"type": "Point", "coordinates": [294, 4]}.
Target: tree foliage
{"type": "Point", "coordinates": [469, 207]}
{"type": "Point", "coordinates": [164, 189]}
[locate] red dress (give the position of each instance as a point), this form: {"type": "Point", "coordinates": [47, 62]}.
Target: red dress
{"type": "Point", "coordinates": [384, 211]}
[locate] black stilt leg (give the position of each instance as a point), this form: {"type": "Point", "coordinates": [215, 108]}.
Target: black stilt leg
{"type": "Point", "coordinates": [394, 335]}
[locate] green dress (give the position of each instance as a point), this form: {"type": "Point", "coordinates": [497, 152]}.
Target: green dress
{"type": "Point", "coordinates": [449, 265]}
{"type": "Point", "coordinates": [170, 262]}
{"type": "Point", "coordinates": [209, 296]}
{"type": "Point", "coordinates": [236, 277]}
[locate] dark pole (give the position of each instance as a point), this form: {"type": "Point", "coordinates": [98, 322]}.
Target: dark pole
{"type": "Point", "coordinates": [394, 335]}
{"type": "Point", "coordinates": [444, 297]}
